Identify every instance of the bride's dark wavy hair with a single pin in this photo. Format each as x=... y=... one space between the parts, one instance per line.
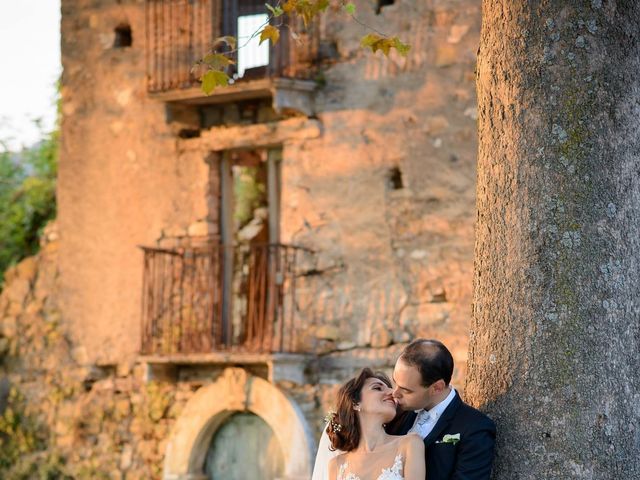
x=343 y=426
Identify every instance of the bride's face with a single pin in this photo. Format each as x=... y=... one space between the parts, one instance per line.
x=377 y=398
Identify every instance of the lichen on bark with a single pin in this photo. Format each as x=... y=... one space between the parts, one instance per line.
x=555 y=325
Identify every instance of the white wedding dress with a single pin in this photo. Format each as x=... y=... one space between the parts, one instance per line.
x=394 y=472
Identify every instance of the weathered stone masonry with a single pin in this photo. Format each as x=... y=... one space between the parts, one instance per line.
x=379 y=182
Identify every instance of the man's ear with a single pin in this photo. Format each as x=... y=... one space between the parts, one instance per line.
x=439 y=386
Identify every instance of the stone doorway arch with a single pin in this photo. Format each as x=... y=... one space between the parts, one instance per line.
x=237 y=391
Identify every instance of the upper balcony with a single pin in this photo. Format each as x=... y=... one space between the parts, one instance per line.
x=180 y=32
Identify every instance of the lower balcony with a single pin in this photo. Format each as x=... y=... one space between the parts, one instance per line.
x=218 y=299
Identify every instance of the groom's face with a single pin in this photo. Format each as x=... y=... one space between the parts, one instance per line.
x=408 y=389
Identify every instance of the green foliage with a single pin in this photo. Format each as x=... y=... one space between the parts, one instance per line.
x=18 y=433
x=306 y=9
x=217 y=61
x=275 y=11
x=249 y=194
x=158 y=401
x=27 y=199
x=40 y=466
x=212 y=79
x=376 y=42
x=23 y=454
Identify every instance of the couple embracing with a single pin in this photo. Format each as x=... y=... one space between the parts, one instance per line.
x=414 y=428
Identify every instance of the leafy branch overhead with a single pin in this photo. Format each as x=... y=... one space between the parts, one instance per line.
x=213 y=67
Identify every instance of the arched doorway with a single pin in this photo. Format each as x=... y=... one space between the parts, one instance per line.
x=244 y=447
x=214 y=410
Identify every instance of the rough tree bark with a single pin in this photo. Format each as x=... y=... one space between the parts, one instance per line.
x=554 y=348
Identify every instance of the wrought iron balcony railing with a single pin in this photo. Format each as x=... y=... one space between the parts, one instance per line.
x=219 y=298
x=179 y=32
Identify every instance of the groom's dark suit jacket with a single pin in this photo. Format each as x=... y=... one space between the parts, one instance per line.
x=470 y=458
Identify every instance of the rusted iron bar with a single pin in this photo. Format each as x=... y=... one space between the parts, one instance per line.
x=179 y=32
x=183 y=292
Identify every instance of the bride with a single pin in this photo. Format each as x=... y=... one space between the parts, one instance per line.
x=365 y=403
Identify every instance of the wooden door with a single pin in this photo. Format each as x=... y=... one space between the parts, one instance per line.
x=244 y=447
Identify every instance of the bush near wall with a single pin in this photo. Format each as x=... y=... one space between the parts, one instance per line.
x=27 y=199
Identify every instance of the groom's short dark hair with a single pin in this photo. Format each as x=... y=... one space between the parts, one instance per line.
x=431 y=358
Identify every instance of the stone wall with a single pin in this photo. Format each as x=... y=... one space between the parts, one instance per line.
x=380 y=183
x=80 y=419
x=384 y=192
x=121 y=182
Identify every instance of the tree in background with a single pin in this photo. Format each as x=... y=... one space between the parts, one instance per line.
x=27 y=198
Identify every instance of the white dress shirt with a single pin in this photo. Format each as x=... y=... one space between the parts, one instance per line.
x=427 y=419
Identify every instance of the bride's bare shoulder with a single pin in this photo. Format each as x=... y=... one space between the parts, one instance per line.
x=338 y=459
x=413 y=441
x=334 y=465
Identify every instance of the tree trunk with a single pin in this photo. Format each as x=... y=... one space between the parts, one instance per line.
x=554 y=348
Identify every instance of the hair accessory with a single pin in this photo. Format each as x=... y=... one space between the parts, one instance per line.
x=331 y=419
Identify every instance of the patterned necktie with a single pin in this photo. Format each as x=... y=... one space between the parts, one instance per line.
x=420 y=423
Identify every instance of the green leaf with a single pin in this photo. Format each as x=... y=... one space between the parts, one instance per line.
x=212 y=79
x=384 y=45
x=217 y=61
x=321 y=5
x=370 y=40
x=350 y=8
x=401 y=48
x=270 y=33
x=376 y=42
x=275 y=11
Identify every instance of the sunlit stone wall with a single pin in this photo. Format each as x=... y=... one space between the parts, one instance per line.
x=385 y=194
x=380 y=183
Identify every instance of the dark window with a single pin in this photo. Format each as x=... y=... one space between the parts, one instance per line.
x=394 y=179
x=123 y=37
x=383 y=3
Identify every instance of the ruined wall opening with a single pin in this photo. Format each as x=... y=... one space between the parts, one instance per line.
x=383 y=3
x=249 y=220
x=189 y=133
x=123 y=37
x=245 y=112
x=394 y=179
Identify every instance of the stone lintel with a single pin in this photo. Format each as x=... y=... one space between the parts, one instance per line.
x=281 y=366
x=379 y=358
x=252 y=136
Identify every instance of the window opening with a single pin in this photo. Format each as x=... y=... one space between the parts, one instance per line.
x=250 y=204
x=123 y=37
x=252 y=55
x=383 y=3
x=394 y=179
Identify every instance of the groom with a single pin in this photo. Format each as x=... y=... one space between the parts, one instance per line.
x=458 y=439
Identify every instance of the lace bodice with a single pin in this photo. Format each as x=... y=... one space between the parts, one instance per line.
x=394 y=472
